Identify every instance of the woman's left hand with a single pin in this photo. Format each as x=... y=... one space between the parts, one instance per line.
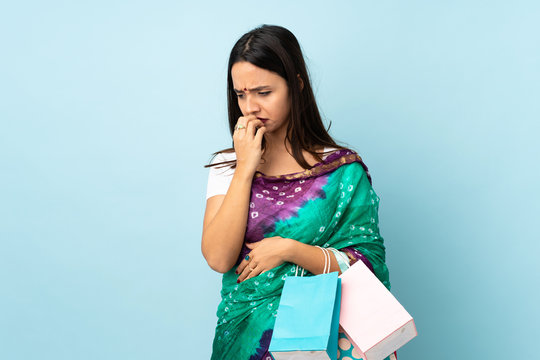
x=264 y=255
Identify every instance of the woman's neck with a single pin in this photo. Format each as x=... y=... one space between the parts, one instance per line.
x=276 y=143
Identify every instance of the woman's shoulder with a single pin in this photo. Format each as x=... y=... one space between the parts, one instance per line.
x=338 y=152
x=224 y=156
x=222 y=164
x=356 y=165
x=330 y=151
x=348 y=160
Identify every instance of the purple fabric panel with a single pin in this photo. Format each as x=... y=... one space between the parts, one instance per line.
x=355 y=255
x=264 y=342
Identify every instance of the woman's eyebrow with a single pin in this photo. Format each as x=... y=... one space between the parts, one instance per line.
x=255 y=89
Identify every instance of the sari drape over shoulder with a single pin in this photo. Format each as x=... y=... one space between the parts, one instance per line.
x=332 y=204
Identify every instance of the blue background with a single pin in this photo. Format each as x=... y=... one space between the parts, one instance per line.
x=110 y=109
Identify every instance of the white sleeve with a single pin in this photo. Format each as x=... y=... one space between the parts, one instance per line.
x=219 y=178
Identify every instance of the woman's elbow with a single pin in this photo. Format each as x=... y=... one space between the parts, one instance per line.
x=216 y=259
x=217 y=263
x=218 y=267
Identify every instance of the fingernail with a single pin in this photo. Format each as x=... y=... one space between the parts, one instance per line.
x=237 y=281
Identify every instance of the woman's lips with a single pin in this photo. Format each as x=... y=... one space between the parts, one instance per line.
x=262 y=119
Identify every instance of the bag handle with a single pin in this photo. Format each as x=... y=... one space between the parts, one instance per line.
x=327 y=263
x=341 y=258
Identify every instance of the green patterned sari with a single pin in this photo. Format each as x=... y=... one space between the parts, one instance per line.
x=331 y=205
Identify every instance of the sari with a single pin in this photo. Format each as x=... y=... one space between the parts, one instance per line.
x=331 y=204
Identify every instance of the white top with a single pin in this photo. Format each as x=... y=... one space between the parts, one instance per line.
x=219 y=178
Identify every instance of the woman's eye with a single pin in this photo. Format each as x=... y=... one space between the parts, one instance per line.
x=240 y=96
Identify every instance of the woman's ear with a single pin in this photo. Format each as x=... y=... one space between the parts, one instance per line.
x=301 y=82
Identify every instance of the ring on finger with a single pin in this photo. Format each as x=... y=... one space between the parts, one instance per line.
x=239 y=127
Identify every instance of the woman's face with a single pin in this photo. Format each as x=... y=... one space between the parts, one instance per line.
x=262 y=93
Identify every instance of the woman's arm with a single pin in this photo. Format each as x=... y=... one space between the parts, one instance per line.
x=225 y=217
x=306 y=256
x=225 y=222
x=274 y=251
x=311 y=258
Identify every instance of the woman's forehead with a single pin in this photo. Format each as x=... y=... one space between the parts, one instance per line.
x=247 y=76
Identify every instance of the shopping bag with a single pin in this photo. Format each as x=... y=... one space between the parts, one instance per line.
x=346 y=351
x=371 y=317
x=307 y=321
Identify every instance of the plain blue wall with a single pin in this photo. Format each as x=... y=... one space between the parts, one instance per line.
x=110 y=109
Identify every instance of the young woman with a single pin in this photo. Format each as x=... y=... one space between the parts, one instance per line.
x=281 y=194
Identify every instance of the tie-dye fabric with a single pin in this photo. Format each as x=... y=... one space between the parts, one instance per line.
x=331 y=205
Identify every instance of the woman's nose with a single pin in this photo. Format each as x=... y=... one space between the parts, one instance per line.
x=251 y=104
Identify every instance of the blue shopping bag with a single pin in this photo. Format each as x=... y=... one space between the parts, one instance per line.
x=307 y=322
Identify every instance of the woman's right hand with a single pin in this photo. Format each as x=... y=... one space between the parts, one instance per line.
x=247 y=143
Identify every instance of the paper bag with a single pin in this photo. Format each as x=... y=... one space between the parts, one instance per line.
x=307 y=321
x=371 y=317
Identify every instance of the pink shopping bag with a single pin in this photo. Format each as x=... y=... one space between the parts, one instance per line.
x=371 y=317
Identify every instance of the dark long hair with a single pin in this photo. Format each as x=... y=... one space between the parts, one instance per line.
x=276 y=49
